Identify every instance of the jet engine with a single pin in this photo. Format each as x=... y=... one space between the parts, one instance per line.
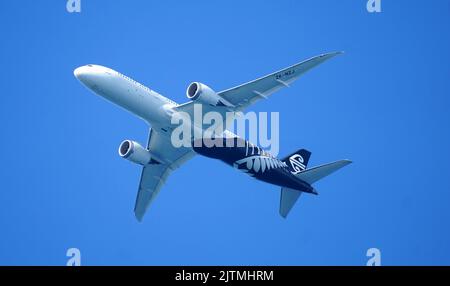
x=134 y=152
x=204 y=94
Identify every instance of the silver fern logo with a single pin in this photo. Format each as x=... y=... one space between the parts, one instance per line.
x=258 y=163
x=257 y=160
x=297 y=163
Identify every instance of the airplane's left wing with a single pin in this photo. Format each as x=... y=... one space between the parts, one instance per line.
x=154 y=175
x=246 y=94
x=242 y=96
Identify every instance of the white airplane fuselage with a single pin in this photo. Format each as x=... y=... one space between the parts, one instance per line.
x=138 y=99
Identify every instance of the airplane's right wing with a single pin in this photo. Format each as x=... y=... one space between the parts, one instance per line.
x=154 y=175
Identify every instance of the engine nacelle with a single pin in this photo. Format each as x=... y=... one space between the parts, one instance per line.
x=134 y=152
x=203 y=93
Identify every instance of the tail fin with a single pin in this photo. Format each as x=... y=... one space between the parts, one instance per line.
x=297 y=161
x=287 y=200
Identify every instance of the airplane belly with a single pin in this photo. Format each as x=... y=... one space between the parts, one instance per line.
x=126 y=92
x=136 y=100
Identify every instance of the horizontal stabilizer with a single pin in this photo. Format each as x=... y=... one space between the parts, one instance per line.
x=316 y=173
x=288 y=199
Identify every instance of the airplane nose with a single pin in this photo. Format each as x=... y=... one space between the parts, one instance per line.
x=91 y=76
x=79 y=72
x=76 y=72
x=88 y=75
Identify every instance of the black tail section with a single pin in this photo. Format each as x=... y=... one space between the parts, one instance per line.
x=297 y=161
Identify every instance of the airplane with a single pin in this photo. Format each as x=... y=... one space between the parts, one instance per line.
x=159 y=158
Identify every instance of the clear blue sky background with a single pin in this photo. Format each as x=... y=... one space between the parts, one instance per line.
x=384 y=104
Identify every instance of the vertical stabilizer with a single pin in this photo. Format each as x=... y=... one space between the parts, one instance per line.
x=297 y=161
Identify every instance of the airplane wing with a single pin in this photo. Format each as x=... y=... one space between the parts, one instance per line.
x=246 y=94
x=153 y=177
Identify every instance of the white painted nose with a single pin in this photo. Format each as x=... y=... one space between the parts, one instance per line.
x=90 y=75
x=83 y=73
x=78 y=72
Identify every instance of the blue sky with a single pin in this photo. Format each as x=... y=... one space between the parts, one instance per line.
x=384 y=104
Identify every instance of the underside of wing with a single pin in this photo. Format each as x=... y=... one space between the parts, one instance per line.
x=246 y=94
x=240 y=97
x=155 y=174
x=152 y=179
